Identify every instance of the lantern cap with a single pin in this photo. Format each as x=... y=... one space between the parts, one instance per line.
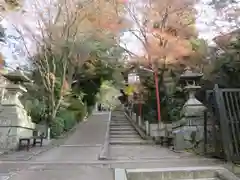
x=188 y=74
x=16 y=76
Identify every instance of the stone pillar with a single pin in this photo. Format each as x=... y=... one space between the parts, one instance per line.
x=139 y=121
x=14 y=120
x=147 y=127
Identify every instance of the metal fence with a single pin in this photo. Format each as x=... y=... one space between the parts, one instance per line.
x=222 y=124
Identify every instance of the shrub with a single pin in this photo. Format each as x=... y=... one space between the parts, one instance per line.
x=79 y=109
x=36 y=109
x=57 y=127
x=69 y=119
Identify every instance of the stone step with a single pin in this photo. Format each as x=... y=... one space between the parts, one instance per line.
x=118 y=117
x=122 y=128
x=122 y=131
x=120 y=120
x=130 y=141
x=125 y=133
x=112 y=129
x=123 y=122
x=124 y=136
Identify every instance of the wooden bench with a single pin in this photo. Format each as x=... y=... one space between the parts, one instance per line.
x=27 y=141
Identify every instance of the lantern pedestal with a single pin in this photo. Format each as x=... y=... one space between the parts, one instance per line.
x=188 y=133
x=14 y=120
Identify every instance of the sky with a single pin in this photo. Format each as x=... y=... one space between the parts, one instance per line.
x=13 y=50
x=15 y=56
x=205 y=24
x=208 y=16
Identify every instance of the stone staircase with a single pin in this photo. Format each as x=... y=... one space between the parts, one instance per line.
x=122 y=131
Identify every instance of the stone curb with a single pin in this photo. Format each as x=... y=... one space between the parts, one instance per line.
x=226 y=175
x=234 y=168
x=104 y=153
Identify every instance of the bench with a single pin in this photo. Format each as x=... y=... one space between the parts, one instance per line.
x=26 y=141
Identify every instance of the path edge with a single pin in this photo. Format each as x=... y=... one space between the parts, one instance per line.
x=105 y=147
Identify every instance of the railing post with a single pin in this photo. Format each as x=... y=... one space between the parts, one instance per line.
x=205 y=132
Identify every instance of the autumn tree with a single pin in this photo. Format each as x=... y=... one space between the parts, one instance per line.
x=67 y=40
x=164 y=29
x=167 y=38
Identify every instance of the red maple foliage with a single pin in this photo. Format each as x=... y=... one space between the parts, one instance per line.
x=164 y=28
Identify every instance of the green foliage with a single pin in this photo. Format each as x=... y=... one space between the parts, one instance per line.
x=107 y=93
x=197 y=44
x=170 y=104
x=173 y=104
x=100 y=64
x=226 y=70
x=36 y=109
x=68 y=117
x=78 y=107
x=150 y=107
x=94 y=73
x=57 y=127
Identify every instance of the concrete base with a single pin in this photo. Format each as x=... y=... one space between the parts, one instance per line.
x=191 y=173
x=183 y=138
x=14 y=123
x=157 y=130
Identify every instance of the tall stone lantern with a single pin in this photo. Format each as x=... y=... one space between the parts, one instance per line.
x=189 y=131
x=15 y=88
x=190 y=81
x=14 y=120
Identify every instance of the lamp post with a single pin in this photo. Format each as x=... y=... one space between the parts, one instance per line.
x=157 y=96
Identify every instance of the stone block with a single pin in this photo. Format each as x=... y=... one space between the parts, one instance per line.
x=14 y=123
x=189 y=137
x=157 y=130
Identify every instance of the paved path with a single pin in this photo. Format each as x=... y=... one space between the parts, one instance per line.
x=77 y=158
x=83 y=146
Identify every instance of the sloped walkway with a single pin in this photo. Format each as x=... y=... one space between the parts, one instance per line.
x=85 y=144
x=77 y=158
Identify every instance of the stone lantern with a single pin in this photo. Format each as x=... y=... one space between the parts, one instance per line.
x=14 y=120
x=190 y=81
x=15 y=88
x=189 y=130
